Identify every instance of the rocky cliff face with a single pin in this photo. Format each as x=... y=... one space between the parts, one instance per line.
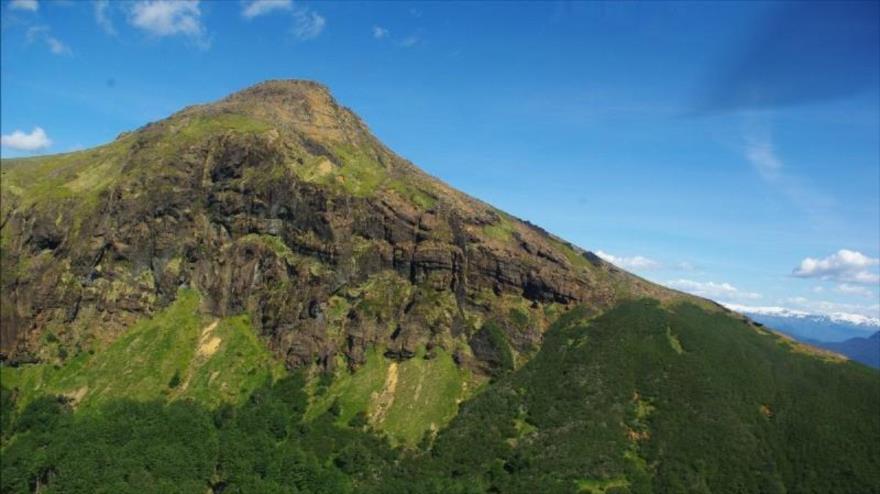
x=278 y=202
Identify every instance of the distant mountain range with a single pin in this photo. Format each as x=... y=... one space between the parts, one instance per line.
x=853 y=335
x=864 y=350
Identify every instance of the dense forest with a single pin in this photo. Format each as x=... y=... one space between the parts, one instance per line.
x=639 y=399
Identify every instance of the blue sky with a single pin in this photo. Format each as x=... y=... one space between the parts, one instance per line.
x=727 y=149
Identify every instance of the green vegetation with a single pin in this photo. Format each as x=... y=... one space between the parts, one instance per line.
x=413 y=193
x=348 y=170
x=212 y=361
x=625 y=412
x=65 y=187
x=169 y=138
x=425 y=397
x=602 y=486
x=404 y=400
x=498 y=341
x=125 y=446
x=352 y=392
x=674 y=341
x=502 y=230
x=199 y=127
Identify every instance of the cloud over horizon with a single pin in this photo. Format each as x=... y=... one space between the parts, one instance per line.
x=711 y=289
x=21 y=141
x=844 y=266
x=634 y=262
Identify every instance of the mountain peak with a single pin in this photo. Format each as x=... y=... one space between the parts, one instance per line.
x=284 y=91
x=291 y=106
x=280 y=180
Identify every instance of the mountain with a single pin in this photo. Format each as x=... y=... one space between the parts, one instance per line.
x=804 y=326
x=256 y=295
x=864 y=350
x=846 y=334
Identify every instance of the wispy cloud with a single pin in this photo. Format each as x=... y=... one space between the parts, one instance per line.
x=634 y=262
x=30 y=5
x=22 y=141
x=761 y=153
x=102 y=16
x=43 y=34
x=860 y=290
x=380 y=32
x=642 y=263
x=844 y=266
x=308 y=24
x=163 y=18
x=257 y=8
x=711 y=289
x=410 y=41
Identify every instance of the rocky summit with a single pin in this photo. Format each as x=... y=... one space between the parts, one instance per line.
x=256 y=296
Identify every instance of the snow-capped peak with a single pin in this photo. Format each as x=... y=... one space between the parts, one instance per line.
x=838 y=317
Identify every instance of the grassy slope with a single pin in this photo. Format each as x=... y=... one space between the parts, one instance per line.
x=181 y=354
x=403 y=400
x=160 y=358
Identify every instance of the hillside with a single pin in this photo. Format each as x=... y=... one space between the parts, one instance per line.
x=256 y=295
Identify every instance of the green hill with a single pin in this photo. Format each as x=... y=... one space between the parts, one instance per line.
x=255 y=295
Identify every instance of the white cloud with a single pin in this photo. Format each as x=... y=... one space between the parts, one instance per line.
x=380 y=32
x=710 y=289
x=308 y=25
x=31 y=5
x=170 y=18
x=21 y=141
x=256 y=8
x=102 y=16
x=42 y=33
x=844 y=266
x=635 y=262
